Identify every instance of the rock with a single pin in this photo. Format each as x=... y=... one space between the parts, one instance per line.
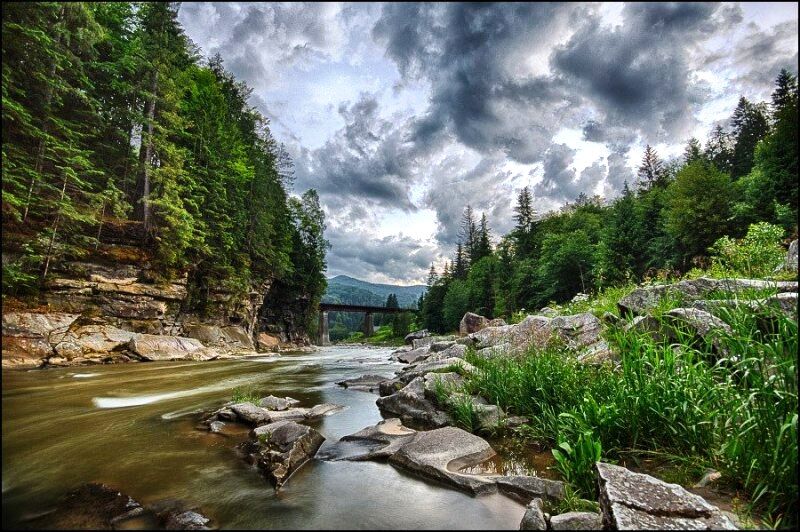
x=321 y=410
x=412 y=372
x=499 y=350
x=267 y=342
x=703 y=326
x=709 y=478
x=635 y=501
x=421 y=342
x=276 y=403
x=791 y=257
x=50 y=327
x=91 y=338
x=283 y=448
x=389 y=386
x=91 y=506
x=580 y=297
x=577 y=521
x=786 y=302
x=451 y=380
x=216 y=427
x=233 y=338
x=496 y=322
x=416 y=335
x=441 y=346
x=251 y=414
x=365 y=382
x=379 y=441
x=534 y=517
x=524 y=488
x=489 y=416
x=645 y=298
x=187 y=520
x=471 y=323
x=598 y=353
x=647 y=324
x=160 y=347
x=415 y=355
x=413 y=407
x=578 y=330
x=512 y=422
x=292 y=414
x=548 y=312
x=437 y=454
x=454 y=351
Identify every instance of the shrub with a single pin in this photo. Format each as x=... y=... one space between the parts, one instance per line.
x=576 y=462
x=245 y=395
x=758 y=254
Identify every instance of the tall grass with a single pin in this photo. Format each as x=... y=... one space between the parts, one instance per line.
x=736 y=412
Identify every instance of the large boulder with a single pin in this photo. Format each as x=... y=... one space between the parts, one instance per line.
x=267 y=342
x=410 y=373
x=454 y=351
x=271 y=402
x=413 y=407
x=523 y=488
x=439 y=454
x=471 y=323
x=155 y=347
x=28 y=337
x=635 y=501
x=251 y=414
x=282 y=448
x=576 y=331
x=701 y=325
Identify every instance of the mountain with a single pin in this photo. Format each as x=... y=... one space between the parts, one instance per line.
x=344 y=289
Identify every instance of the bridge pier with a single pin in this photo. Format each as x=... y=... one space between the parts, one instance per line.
x=368 y=327
x=324 y=338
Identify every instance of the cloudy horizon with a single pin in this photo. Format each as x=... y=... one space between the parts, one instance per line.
x=400 y=115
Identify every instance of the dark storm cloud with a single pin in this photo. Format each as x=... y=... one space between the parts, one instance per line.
x=360 y=254
x=366 y=161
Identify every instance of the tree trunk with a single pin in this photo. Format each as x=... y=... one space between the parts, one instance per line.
x=142 y=211
x=55 y=228
x=48 y=98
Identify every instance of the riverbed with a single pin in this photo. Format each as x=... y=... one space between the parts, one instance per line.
x=132 y=426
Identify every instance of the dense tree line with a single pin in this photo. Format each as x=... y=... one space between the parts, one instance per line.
x=662 y=225
x=111 y=119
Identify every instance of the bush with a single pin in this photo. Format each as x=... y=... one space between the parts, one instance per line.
x=576 y=462
x=758 y=254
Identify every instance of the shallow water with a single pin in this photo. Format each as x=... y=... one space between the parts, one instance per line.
x=132 y=427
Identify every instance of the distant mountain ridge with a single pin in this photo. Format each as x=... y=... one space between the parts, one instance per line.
x=345 y=289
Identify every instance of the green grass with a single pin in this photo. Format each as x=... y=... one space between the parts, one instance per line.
x=245 y=395
x=736 y=413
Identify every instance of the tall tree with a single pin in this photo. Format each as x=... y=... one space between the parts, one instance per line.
x=750 y=125
x=651 y=171
x=525 y=223
x=719 y=149
x=693 y=151
x=468 y=234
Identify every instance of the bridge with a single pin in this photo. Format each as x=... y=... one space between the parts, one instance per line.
x=324 y=308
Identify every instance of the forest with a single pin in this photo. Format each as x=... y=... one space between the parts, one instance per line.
x=739 y=189
x=114 y=125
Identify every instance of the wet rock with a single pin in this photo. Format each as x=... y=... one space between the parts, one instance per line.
x=376 y=442
x=524 y=488
x=488 y=416
x=284 y=447
x=416 y=335
x=365 y=383
x=534 y=517
x=439 y=454
x=321 y=410
x=512 y=422
x=471 y=323
x=635 y=501
x=186 y=520
x=577 y=521
x=216 y=427
x=277 y=403
x=159 y=347
x=91 y=506
x=413 y=407
x=251 y=414
x=422 y=342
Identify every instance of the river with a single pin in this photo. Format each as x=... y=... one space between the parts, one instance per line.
x=132 y=426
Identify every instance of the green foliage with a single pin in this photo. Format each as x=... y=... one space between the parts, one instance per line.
x=755 y=255
x=455 y=304
x=245 y=395
x=576 y=462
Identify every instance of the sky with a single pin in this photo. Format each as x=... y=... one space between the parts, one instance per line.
x=400 y=115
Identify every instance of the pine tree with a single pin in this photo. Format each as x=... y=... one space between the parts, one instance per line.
x=651 y=171
x=525 y=224
x=750 y=125
x=719 y=149
x=483 y=247
x=469 y=236
x=460 y=267
x=693 y=151
x=785 y=92
x=433 y=277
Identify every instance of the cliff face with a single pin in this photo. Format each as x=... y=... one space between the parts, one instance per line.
x=109 y=309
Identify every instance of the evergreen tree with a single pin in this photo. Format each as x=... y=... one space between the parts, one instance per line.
x=460 y=265
x=525 y=223
x=750 y=125
x=719 y=149
x=483 y=246
x=651 y=171
x=693 y=151
x=468 y=234
x=433 y=277
x=785 y=93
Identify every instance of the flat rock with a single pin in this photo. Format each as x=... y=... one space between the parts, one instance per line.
x=365 y=383
x=533 y=519
x=576 y=521
x=524 y=488
x=290 y=414
x=439 y=454
x=635 y=501
x=371 y=443
x=321 y=410
x=284 y=447
x=453 y=351
x=442 y=345
x=90 y=506
x=415 y=355
x=251 y=414
x=160 y=347
x=271 y=402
